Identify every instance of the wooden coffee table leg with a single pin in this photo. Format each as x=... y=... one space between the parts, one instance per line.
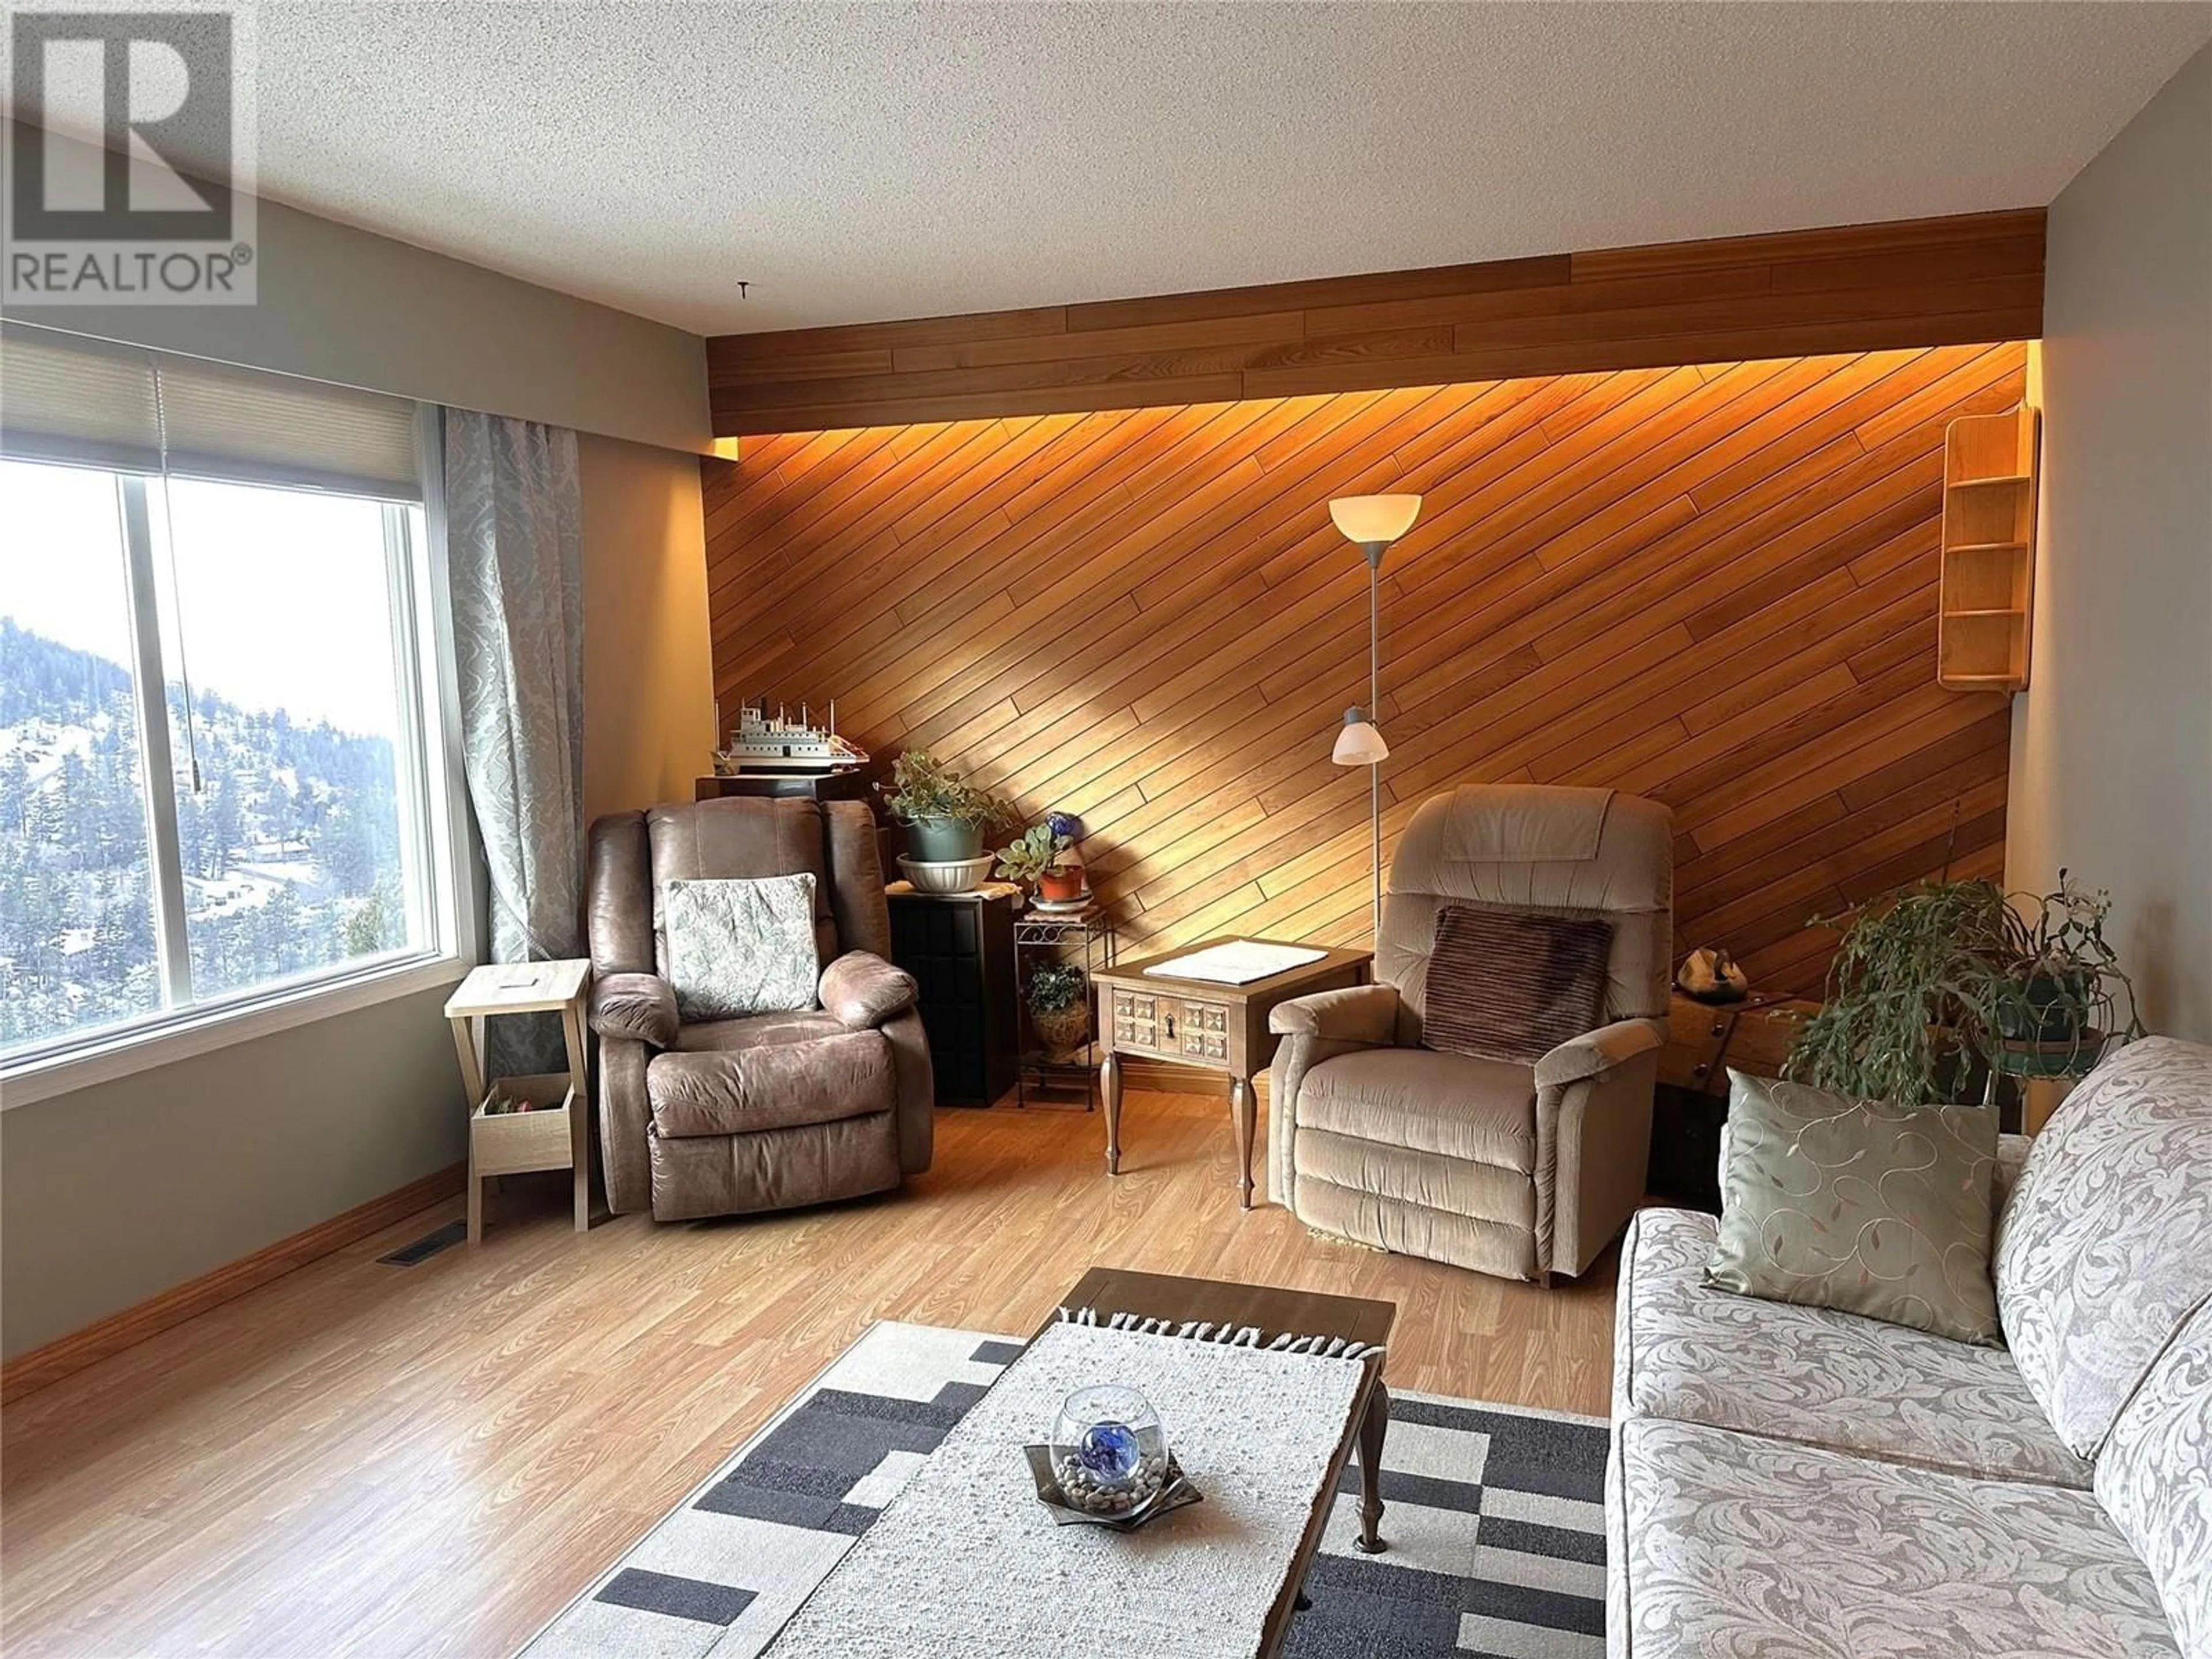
x=1377 y=1424
x=1109 y=1090
x=1243 y=1106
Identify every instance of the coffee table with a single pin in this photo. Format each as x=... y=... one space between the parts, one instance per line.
x=1171 y=1296
x=964 y=1561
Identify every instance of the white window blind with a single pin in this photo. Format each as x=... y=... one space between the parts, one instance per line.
x=88 y=403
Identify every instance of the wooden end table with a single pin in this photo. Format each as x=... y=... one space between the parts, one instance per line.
x=1202 y=1022
x=559 y=1138
x=1705 y=1043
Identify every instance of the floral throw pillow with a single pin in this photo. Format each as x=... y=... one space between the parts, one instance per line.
x=739 y=947
x=1861 y=1206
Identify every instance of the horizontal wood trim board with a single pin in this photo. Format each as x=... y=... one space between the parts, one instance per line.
x=1714 y=585
x=65 y=1356
x=1970 y=279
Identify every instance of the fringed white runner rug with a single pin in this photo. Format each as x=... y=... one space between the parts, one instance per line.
x=1495 y=1522
x=960 y=1568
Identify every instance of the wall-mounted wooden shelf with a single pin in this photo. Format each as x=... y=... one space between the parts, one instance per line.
x=1988 y=585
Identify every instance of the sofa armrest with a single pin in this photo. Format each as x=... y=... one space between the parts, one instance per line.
x=2011 y=1163
x=1353 y=1014
x=863 y=990
x=625 y=1123
x=641 y=1006
x=1600 y=1051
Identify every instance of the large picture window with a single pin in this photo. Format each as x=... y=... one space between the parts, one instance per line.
x=218 y=712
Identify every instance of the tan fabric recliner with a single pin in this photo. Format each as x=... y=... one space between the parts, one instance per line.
x=775 y=1110
x=1519 y=1170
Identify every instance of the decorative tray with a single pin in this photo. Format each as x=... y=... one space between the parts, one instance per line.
x=1176 y=1493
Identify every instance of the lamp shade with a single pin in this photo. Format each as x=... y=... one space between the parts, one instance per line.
x=1370 y=519
x=1358 y=744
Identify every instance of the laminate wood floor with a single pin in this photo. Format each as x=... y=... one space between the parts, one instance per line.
x=369 y=1460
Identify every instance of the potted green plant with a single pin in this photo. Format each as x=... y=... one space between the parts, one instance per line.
x=944 y=814
x=1907 y=991
x=1059 y=998
x=2054 y=995
x=1066 y=879
x=1936 y=982
x=1061 y=882
x=1032 y=855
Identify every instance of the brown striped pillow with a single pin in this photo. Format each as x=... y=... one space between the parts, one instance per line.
x=1508 y=985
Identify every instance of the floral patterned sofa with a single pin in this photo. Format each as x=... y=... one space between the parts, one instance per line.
x=1788 y=1483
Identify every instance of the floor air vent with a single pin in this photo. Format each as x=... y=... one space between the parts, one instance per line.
x=429 y=1245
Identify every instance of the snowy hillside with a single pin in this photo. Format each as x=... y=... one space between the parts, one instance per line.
x=290 y=844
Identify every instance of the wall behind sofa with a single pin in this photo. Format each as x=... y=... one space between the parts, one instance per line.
x=1714 y=585
x=2113 y=737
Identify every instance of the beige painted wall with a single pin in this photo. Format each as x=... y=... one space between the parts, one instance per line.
x=355 y=308
x=649 y=684
x=2112 y=740
x=114 y=1192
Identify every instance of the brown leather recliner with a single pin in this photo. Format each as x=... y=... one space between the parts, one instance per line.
x=1515 y=1170
x=774 y=1111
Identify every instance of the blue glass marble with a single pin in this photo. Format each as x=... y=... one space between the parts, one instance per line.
x=1110 y=1450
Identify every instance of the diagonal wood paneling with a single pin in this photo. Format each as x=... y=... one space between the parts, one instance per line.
x=1975 y=276
x=1712 y=585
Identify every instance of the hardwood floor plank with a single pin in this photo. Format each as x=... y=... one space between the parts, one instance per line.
x=446 y=1452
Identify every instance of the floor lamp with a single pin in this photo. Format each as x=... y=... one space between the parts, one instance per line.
x=1373 y=522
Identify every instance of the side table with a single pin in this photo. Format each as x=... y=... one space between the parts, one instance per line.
x=1043 y=936
x=1705 y=1042
x=1206 y=1024
x=509 y=1143
x=960 y=949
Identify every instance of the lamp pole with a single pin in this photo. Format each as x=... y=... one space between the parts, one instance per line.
x=1374 y=551
x=1372 y=523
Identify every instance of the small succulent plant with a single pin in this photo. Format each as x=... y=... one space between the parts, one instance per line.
x=1035 y=851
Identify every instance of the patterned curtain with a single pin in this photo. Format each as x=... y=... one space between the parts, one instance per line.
x=515 y=555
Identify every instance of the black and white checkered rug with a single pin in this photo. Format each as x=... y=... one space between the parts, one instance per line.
x=1495 y=1520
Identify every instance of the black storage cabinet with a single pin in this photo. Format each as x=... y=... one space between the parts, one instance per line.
x=961 y=952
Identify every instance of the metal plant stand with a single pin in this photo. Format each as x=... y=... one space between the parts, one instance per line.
x=1086 y=938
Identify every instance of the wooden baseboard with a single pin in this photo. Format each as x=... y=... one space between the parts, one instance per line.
x=29 y=1372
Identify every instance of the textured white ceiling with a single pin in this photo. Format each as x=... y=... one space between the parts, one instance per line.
x=858 y=162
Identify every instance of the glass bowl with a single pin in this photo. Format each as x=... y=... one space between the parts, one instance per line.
x=1109 y=1452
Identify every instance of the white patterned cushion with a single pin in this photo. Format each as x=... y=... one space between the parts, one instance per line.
x=739 y=947
x=1730 y=1545
x=1691 y=1351
x=2106 y=1244
x=2154 y=1477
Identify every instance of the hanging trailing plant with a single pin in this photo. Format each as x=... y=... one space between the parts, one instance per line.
x=1934 y=980
x=1903 y=993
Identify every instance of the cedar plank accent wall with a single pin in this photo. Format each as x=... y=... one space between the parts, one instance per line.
x=1970 y=278
x=1715 y=585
